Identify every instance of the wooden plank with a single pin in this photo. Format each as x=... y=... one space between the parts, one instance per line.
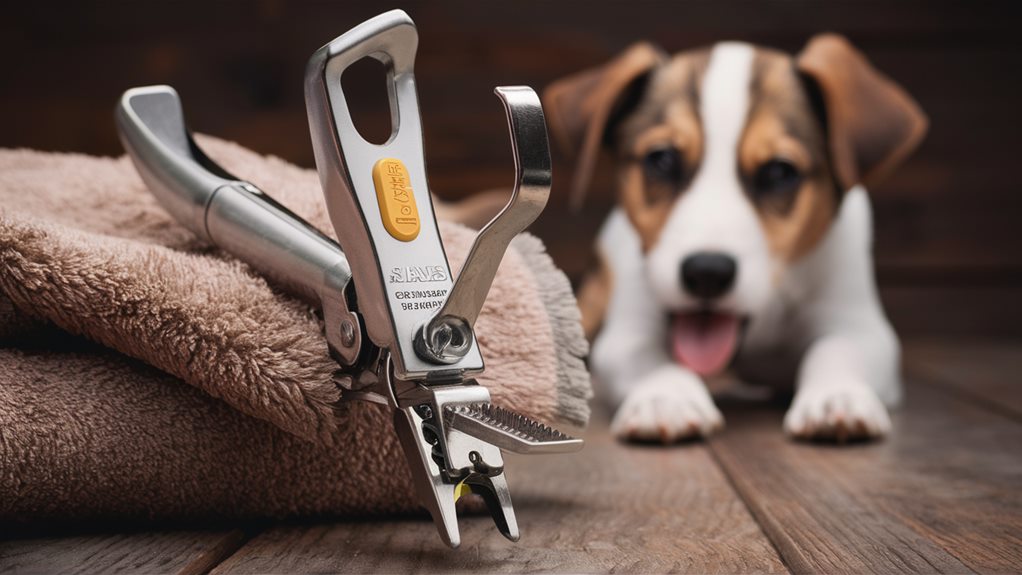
x=608 y=508
x=941 y=495
x=183 y=552
x=986 y=371
x=920 y=310
x=246 y=89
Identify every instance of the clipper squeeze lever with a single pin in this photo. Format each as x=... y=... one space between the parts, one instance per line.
x=399 y=327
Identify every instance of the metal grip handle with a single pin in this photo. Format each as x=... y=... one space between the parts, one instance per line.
x=445 y=338
x=378 y=197
x=234 y=214
x=531 y=152
x=152 y=128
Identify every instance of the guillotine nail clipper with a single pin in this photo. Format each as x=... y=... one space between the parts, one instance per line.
x=400 y=329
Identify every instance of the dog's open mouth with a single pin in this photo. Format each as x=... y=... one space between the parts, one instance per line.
x=705 y=341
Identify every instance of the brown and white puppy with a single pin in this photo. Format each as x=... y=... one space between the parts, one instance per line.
x=743 y=232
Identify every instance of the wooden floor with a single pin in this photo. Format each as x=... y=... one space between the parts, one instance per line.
x=943 y=495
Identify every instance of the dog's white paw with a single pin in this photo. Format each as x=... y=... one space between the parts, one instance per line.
x=668 y=405
x=837 y=411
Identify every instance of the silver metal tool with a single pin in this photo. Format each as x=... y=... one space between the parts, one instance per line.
x=399 y=327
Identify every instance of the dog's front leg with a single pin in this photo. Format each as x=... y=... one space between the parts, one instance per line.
x=669 y=404
x=845 y=384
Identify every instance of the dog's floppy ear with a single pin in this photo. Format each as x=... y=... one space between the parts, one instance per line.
x=581 y=108
x=872 y=123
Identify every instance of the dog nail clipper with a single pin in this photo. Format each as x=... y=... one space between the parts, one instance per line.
x=400 y=329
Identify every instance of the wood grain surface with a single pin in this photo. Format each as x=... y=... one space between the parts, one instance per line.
x=609 y=508
x=941 y=495
x=183 y=552
x=987 y=372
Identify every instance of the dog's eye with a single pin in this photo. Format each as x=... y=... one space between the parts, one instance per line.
x=663 y=164
x=777 y=177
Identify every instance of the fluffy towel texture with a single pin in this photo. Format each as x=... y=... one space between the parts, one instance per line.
x=84 y=432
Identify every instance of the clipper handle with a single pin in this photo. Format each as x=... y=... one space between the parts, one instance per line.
x=233 y=214
x=380 y=205
x=442 y=339
x=152 y=128
x=378 y=197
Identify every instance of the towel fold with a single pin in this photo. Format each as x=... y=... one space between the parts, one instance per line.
x=88 y=257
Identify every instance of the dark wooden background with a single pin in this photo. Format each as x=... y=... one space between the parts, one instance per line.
x=948 y=245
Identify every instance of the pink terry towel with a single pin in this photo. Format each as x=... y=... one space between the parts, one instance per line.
x=145 y=374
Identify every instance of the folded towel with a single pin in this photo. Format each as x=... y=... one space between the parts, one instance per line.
x=88 y=257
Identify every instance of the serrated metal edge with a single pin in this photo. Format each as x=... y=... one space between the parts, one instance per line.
x=509 y=421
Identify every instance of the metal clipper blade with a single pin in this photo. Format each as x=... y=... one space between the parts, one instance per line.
x=507 y=429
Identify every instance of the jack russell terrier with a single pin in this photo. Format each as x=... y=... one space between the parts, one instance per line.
x=743 y=233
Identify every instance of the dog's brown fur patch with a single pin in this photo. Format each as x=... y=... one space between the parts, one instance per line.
x=594 y=296
x=872 y=123
x=781 y=125
x=668 y=116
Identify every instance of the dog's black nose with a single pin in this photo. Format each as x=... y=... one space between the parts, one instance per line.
x=708 y=274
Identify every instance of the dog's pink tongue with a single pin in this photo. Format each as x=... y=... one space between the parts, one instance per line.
x=704 y=341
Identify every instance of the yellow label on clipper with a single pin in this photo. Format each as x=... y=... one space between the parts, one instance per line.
x=461 y=489
x=397 y=202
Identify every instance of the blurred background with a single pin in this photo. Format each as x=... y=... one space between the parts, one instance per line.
x=948 y=242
